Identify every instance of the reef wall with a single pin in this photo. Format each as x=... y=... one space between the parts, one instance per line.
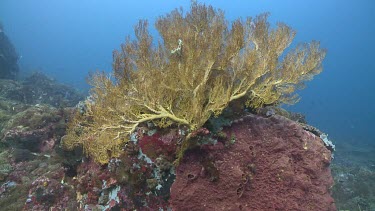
x=8 y=57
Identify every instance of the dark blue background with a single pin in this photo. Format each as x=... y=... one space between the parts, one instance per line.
x=67 y=39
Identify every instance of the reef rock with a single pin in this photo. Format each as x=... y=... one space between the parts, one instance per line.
x=40 y=89
x=37 y=128
x=8 y=57
x=272 y=164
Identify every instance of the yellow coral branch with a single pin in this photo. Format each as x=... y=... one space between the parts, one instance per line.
x=216 y=64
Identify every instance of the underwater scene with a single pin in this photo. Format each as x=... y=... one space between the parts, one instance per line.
x=168 y=105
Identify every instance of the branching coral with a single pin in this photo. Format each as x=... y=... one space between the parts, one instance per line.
x=199 y=66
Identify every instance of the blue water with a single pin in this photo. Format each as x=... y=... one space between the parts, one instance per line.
x=67 y=39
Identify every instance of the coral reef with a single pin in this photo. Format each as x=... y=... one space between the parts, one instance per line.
x=189 y=124
x=37 y=128
x=353 y=170
x=274 y=164
x=39 y=89
x=8 y=57
x=354 y=187
x=32 y=163
x=36 y=184
x=129 y=182
x=201 y=64
x=144 y=178
x=29 y=119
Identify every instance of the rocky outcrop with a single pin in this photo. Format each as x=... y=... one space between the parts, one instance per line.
x=36 y=129
x=255 y=162
x=273 y=164
x=32 y=163
x=8 y=57
x=40 y=89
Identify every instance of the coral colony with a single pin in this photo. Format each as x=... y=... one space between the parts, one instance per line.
x=201 y=67
x=188 y=122
x=161 y=120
